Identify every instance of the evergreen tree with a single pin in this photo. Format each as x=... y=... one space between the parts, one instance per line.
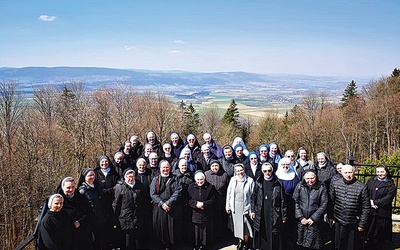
x=396 y=72
x=191 y=120
x=232 y=115
x=349 y=93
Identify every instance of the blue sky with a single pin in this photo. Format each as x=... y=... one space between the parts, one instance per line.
x=335 y=38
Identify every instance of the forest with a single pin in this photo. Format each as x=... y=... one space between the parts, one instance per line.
x=57 y=132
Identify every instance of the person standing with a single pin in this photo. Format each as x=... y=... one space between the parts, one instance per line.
x=127 y=207
x=220 y=180
x=268 y=210
x=311 y=199
x=238 y=199
x=289 y=180
x=101 y=210
x=164 y=192
x=351 y=206
x=201 y=200
x=78 y=210
x=54 y=229
x=381 y=191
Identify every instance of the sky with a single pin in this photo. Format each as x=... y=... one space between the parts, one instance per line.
x=351 y=38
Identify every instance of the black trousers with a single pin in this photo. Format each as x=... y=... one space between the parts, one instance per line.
x=348 y=237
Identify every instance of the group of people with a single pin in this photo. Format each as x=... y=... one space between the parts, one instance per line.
x=183 y=193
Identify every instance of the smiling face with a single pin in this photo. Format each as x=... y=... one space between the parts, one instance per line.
x=103 y=163
x=199 y=178
x=290 y=155
x=239 y=172
x=129 y=178
x=56 y=204
x=310 y=178
x=273 y=149
x=267 y=171
x=182 y=166
x=118 y=158
x=127 y=148
x=191 y=140
x=263 y=152
x=285 y=166
x=165 y=168
x=303 y=154
x=134 y=140
x=141 y=165
x=214 y=167
x=321 y=159
x=148 y=149
x=381 y=172
x=153 y=159
x=186 y=155
x=90 y=177
x=228 y=152
x=205 y=150
x=167 y=149
x=253 y=159
x=207 y=138
x=174 y=139
x=239 y=151
x=69 y=188
x=151 y=137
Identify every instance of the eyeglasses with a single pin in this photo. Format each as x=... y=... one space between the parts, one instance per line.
x=167 y=148
x=288 y=156
x=267 y=171
x=253 y=158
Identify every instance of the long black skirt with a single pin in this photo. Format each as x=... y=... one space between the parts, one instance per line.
x=163 y=226
x=202 y=234
x=380 y=229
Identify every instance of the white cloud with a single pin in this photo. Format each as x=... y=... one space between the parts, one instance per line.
x=129 y=47
x=175 y=52
x=179 y=42
x=47 y=18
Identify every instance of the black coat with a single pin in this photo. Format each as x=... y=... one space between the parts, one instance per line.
x=128 y=205
x=220 y=181
x=164 y=190
x=250 y=173
x=108 y=182
x=301 y=169
x=228 y=165
x=325 y=173
x=310 y=202
x=382 y=193
x=351 y=204
x=136 y=150
x=145 y=178
x=78 y=209
x=205 y=194
x=169 y=194
x=278 y=203
x=129 y=159
x=54 y=232
x=202 y=163
x=184 y=180
x=100 y=208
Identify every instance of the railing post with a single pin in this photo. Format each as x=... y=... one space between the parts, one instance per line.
x=351 y=159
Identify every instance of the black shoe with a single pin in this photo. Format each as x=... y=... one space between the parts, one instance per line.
x=240 y=246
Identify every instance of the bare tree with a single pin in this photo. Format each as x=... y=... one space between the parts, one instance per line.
x=211 y=118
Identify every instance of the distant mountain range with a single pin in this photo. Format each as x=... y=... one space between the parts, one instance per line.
x=250 y=88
